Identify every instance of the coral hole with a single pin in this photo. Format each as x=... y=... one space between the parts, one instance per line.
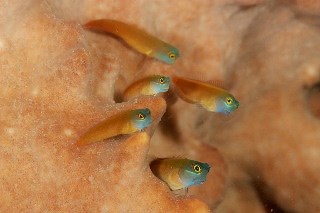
x=313 y=99
x=154 y=166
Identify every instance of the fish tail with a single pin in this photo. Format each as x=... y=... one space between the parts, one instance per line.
x=94 y=135
x=105 y=129
x=109 y=26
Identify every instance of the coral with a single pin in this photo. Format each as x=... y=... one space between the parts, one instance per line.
x=57 y=83
x=272 y=145
x=58 y=80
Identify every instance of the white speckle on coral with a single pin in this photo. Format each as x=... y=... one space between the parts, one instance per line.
x=35 y=91
x=311 y=73
x=10 y=131
x=105 y=209
x=314 y=153
x=68 y=132
x=91 y=178
x=309 y=44
x=192 y=152
x=4 y=45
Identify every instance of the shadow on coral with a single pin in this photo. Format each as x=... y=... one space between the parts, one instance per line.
x=266 y=200
x=313 y=99
x=168 y=125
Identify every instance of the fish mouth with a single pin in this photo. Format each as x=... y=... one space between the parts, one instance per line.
x=229 y=111
x=147 y=123
x=198 y=182
x=226 y=112
x=165 y=89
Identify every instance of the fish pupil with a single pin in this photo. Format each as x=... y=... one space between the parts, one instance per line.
x=172 y=56
x=161 y=80
x=197 y=168
x=141 y=116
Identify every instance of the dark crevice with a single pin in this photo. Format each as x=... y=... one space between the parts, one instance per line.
x=313 y=100
x=168 y=125
x=266 y=198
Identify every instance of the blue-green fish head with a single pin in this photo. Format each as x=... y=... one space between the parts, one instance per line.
x=226 y=103
x=141 y=118
x=160 y=84
x=169 y=55
x=193 y=173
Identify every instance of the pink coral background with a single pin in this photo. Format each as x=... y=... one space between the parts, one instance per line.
x=58 y=80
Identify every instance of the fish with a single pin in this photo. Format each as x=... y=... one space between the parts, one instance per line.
x=180 y=173
x=207 y=95
x=137 y=39
x=126 y=122
x=150 y=85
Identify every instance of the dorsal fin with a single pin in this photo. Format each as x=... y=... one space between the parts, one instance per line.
x=218 y=83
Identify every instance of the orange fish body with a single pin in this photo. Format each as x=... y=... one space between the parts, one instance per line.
x=126 y=122
x=210 y=97
x=168 y=173
x=179 y=173
x=137 y=39
x=150 y=85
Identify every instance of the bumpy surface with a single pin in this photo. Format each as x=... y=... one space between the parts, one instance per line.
x=58 y=80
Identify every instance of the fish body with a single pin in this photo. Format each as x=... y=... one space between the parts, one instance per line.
x=212 y=98
x=137 y=39
x=126 y=122
x=150 y=85
x=180 y=173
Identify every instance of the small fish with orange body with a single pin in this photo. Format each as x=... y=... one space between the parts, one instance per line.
x=180 y=173
x=125 y=122
x=150 y=85
x=209 y=96
x=137 y=39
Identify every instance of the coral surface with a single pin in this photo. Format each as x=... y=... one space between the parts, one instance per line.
x=58 y=80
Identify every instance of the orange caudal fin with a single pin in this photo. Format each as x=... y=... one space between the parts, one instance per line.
x=97 y=133
x=105 y=25
x=95 y=24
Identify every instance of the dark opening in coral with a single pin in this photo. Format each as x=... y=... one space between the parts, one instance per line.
x=313 y=100
x=268 y=203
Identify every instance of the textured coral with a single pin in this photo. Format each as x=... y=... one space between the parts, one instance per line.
x=58 y=80
x=57 y=83
x=273 y=142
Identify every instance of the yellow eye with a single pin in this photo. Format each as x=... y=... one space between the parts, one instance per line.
x=197 y=168
x=141 y=116
x=162 y=80
x=172 y=56
x=229 y=101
